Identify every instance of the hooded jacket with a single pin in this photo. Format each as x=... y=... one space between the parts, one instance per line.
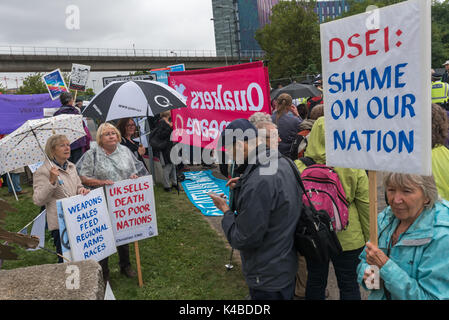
x=356 y=185
x=418 y=265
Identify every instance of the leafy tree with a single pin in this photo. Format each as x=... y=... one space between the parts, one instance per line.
x=33 y=84
x=440 y=25
x=440 y=33
x=292 y=39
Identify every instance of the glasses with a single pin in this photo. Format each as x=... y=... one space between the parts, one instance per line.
x=130 y=125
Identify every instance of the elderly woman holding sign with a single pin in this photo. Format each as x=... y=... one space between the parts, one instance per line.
x=105 y=164
x=56 y=179
x=410 y=262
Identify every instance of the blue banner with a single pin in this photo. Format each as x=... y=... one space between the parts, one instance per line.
x=197 y=184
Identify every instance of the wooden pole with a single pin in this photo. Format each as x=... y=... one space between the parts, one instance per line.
x=139 y=270
x=372 y=206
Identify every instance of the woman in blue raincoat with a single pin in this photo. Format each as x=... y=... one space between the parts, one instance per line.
x=411 y=256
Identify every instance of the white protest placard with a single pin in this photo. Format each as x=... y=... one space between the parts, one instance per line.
x=132 y=210
x=33 y=167
x=376 y=75
x=79 y=77
x=88 y=226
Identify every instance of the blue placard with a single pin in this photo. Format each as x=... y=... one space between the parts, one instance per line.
x=197 y=184
x=177 y=67
x=161 y=75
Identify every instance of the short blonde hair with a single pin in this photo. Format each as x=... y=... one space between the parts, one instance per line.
x=51 y=143
x=105 y=126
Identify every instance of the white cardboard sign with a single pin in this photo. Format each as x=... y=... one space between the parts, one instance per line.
x=132 y=210
x=88 y=226
x=376 y=76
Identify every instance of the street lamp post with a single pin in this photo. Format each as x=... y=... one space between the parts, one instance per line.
x=176 y=56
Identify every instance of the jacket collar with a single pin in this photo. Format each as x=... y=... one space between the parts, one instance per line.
x=421 y=229
x=67 y=165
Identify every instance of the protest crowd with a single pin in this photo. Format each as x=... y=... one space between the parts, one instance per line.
x=288 y=212
x=266 y=205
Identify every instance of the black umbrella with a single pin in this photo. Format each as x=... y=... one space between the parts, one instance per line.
x=138 y=98
x=299 y=90
x=274 y=93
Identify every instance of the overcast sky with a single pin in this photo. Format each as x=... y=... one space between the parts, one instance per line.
x=147 y=24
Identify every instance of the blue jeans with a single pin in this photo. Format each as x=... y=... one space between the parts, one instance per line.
x=15 y=177
x=345 y=265
x=286 y=293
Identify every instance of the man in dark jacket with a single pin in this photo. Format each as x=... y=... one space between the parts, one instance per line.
x=267 y=204
x=81 y=145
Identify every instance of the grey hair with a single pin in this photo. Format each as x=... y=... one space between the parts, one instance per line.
x=259 y=117
x=263 y=124
x=65 y=98
x=426 y=183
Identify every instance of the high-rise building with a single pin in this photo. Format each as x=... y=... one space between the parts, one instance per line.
x=236 y=22
x=330 y=9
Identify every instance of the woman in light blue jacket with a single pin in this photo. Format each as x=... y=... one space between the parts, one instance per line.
x=411 y=259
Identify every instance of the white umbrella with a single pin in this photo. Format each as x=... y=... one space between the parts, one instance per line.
x=25 y=145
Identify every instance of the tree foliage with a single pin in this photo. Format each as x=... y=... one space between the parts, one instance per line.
x=292 y=39
x=33 y=84
x=440 y=25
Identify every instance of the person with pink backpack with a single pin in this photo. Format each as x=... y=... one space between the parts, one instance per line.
x=346 y=193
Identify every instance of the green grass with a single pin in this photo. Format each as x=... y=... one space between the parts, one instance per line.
x=185 y=261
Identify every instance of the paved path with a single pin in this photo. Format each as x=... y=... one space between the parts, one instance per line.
x=215 y=223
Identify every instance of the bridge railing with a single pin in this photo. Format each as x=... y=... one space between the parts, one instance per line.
x=111 y=52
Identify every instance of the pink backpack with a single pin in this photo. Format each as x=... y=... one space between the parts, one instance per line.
x=326 y=193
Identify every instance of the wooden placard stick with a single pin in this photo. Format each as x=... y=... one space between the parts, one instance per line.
x=372 y=206
x=139 y=270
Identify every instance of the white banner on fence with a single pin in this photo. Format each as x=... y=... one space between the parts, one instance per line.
x=88 y=226
x=376 y=75
x=132 y=210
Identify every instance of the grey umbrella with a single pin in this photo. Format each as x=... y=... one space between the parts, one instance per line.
x=298 y=90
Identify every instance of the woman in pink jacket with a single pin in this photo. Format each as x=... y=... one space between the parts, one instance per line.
x=57 y=178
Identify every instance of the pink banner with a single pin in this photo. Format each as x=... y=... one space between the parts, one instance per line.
x=215 y=97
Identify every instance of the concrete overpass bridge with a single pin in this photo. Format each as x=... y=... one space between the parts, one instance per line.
x=44 y=59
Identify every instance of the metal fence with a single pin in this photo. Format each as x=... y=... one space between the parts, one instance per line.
x=110 y=52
